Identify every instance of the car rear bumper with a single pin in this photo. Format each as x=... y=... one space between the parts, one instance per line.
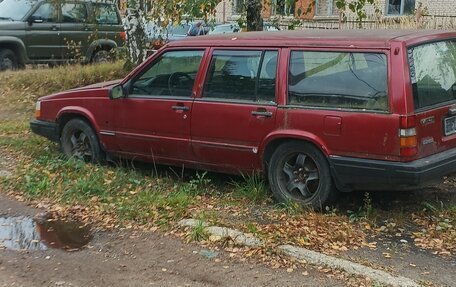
x=49 y=130
x=364 y=174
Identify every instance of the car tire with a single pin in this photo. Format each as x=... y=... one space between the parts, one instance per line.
x=8 y=60
x=102 y=56
x=298 y=172
x=79 y=141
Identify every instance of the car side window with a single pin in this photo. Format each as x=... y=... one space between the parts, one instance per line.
x=338 y=80
x=242 y=75
x=74 y=13
x=46 y=12
x=172 y=75
x=105 y=14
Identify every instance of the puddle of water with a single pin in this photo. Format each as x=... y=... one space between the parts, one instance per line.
x=26 y=233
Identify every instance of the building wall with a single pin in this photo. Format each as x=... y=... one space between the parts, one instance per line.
x=223 y=11
x=433 y=7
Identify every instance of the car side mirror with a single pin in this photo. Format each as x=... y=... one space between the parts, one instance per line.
x=117 y=92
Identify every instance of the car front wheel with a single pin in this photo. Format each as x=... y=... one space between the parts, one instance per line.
x=299 y=172
x=79 y=141
x=8 y=60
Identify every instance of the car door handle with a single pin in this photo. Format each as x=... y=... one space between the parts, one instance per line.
x=265 y=114
x=180 y=108
x=54 y=28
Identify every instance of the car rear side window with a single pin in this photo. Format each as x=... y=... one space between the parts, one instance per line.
x=74 y=13
x=338 y=80
x=433 y=73
x=105 y=14
x=242 y=75
x=172 y=75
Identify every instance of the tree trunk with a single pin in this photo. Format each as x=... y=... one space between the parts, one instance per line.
x=135 y=27
x=254 y=19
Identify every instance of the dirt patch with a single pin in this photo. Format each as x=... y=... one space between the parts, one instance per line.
x=140 y=259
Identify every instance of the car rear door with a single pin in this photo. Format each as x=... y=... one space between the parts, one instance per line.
x=236 y=108
x=153 y=121
x=433 y=84
x=75 y=30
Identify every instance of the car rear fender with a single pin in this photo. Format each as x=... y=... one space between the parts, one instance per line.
x=16 y=45
x=100 y=44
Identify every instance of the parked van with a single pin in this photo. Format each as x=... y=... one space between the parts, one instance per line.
x=316 y=111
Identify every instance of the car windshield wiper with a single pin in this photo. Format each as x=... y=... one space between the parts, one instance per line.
x=6 y=18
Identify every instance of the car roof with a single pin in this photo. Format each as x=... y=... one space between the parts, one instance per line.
x=331 y=38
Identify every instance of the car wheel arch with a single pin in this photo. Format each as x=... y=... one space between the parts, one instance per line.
x=273 y=141
x=15 y=45
x=97 y=45
x=67 y=114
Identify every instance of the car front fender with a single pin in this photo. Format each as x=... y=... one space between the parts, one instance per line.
x=15 y=44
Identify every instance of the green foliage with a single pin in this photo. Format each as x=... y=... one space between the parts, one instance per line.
x=251 y=228
x=198 y=232
x=358 y=7
x=291 y=207
x=366 y=211
x=164 y=12
x=253 y=187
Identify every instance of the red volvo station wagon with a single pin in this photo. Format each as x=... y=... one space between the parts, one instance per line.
x=316 y=111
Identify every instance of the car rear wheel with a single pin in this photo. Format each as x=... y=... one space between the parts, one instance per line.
x=299 y=172
x=79 y=141
x=102 y=56
x=8 y=60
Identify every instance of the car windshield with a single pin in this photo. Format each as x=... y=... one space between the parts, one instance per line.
x=15 y=9
x=227 y=28
x=179 y=29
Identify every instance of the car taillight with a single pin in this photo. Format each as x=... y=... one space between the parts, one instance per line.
x=407 y=136
x=123 y=35
x=38 y=109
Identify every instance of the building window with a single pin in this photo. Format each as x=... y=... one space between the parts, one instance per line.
x=400 y=7
x=325 y=8
x=283 y=7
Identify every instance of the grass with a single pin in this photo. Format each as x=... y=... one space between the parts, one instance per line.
x=253 y=187
x=198 y=232
x=22 y=88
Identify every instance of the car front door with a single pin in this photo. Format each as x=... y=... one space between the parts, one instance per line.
x=236 y=110
x=153 y=121
x=43 y=39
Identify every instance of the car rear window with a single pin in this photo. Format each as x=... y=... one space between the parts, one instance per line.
x=338 y=80
x=433 y=73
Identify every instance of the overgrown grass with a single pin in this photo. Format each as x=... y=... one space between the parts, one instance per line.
x=20 y=89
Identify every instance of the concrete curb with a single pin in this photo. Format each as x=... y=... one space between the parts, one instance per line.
x=312 y=257
x=219 y=233
x=316 y=258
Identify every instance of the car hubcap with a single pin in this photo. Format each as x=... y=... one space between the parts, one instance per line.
x=80 y=146
x=301 y=178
